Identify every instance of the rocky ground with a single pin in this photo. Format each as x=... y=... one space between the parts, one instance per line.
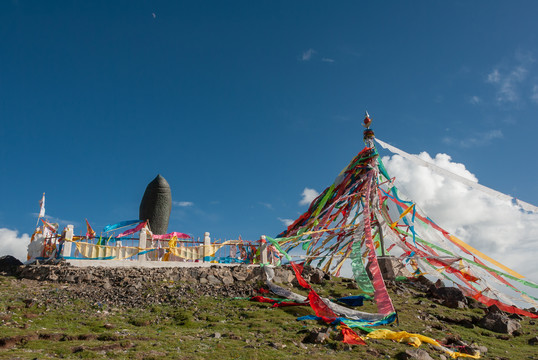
x=54 y=310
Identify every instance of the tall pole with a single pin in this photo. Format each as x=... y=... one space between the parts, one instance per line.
x=368 y=137
x=41 y=209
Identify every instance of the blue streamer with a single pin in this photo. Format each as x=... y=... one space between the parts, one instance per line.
x=231 y=260
x=357 y=300
x=408 y=257
x=83 y=258
x=120 y=225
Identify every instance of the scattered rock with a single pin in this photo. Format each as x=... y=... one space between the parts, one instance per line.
x=533 y=341
x=374 y=352
x=494 y=309
x=474 y=304
x=276 y=345
x=240 y=276
x=417 y=354
x=352 y=286
x=449 y=296
x=422 y=283
x=497 y=321
x=482 y=349
x=438 y=326
x=316 y=337
x=317 y=277
x=78 y=349
x=516 y=317
x=29 y=302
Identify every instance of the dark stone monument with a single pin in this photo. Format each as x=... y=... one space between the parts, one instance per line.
x=156 y=205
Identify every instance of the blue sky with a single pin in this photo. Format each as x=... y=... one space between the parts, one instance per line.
x=243 y=105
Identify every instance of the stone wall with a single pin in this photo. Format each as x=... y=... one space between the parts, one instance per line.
x=214 y=275
x=122 y=276
x=136 y=286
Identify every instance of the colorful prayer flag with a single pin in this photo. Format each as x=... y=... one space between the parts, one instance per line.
x=90 y=233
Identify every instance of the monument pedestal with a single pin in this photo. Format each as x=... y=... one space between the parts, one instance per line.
x=391 y=267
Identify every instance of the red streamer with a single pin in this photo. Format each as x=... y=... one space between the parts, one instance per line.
x=350 y=336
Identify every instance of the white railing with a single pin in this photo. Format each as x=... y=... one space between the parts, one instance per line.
x=145 y=249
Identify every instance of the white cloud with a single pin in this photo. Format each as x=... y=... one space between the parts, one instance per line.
x=478 y=139
x=495 y=227
x=508 y=90
x=13 y=244
x=509 y=80
x=475 y=100
x=183 y=203
x=308 y=196
x=534 y=95
x=307 y=55
x=329 y=60
x=267 y=205
x=286 y=222
x=494 y=77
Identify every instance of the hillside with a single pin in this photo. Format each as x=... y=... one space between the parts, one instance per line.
x=162 y=313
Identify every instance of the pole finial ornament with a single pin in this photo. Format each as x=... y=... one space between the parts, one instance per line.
x=367 y=120
x=368 y=136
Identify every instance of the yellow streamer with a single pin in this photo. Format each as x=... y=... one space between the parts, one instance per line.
x=416 y=340
x=457 y=241
x=89 y=251
x=92 y=251
x=393 y=225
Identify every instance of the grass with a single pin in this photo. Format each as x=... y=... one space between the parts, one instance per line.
x=215 y=328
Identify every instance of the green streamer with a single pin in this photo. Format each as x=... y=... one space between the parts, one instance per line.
x=323 y=201
x=359 y=272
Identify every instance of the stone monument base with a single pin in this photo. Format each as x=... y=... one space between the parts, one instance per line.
x=391 y=267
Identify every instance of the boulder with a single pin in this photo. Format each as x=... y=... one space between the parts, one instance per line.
x=9 y=265
x=316 y=337
x=449 y=296
x=422 y=283
x=240 y=275
x=213 y=280
x=283 y=276
x=481 y=349
x=317 y=277
x=498 y=321
x=417 y=354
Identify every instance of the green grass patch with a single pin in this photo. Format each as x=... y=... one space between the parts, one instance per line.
x=218 y=328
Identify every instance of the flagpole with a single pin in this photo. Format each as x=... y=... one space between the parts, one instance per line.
x=41 y=210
